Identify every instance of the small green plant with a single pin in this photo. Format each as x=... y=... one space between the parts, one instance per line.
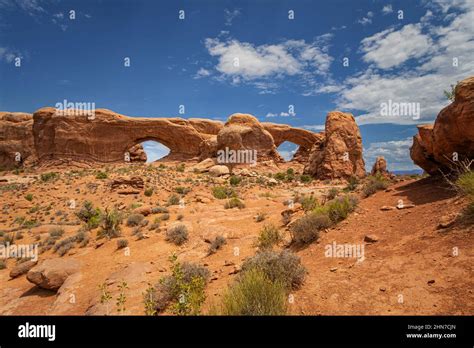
x=268 y=237
x=177 y=234
x=180 y=167
x=110 y=227
x=308 y=202
x=280 y=176
x=56 y=232
x=306 y=229
x=290 y=171
x=234 y=202
x=254 y=294
x=148 y=192
x=149 y=301
x=89 y=215
x=332 y=193
x=101 y=175
x=451 y=93
x=184 y=288
x=352 y=184
x=51 y=176
x=305 y=178
x=223 y=192
x=234 y=180
x=121 y=299
x=29 y=197
x=105 y=296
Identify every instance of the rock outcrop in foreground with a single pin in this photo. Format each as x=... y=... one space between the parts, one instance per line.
x=340 y=154
x=451 y=138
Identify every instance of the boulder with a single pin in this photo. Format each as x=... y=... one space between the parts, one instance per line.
x=137 y=154
x=22 y=268
x=435 y=147
x=52 y=273
x=339 y=155
x=245 y=132
x=204 y=165
x=219 y=170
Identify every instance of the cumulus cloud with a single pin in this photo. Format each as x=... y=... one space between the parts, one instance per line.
x=390 y=48
x=367 y=19
x=281 y=114
x=202 y=73
x=243 y=62
x=8 y=55
x=443 y=55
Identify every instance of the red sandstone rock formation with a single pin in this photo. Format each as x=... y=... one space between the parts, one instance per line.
x=16 y=141
x=452 y=135
x=244 y=132
x=380 y=166
x=340 y=154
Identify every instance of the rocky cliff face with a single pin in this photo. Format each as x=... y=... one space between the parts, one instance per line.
x=339 y=155
x=16 y=140
x=452 y=135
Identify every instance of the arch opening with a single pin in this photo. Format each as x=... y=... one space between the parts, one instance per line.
x=287 y=150
x=154 y=150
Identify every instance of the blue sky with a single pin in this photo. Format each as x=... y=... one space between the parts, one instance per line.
x=241 y=56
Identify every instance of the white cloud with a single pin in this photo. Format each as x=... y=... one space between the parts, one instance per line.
x=390 y=48
x=366 y=20
x=396 y=152
x=264 y=66
x=281 y=114
x=202 y=73
x=230 y=15
x=424 y=82
x=387 y=9
x=8 y=55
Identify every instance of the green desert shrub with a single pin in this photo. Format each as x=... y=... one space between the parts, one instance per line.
x=352 y=184
x=89 y=215
x=182 y=190
x=223 y=192
x=183 y=288
x=234 y=180
x=101 y=175
x=374 y=184
x=110 y=224
x=234 y=202
x=56 y=232
x=180 y=167
x=308 y=202
x=339 y=208
x=159 y=210
x=148 y=191
x=177 y=234
x=305 y=178
x=332 y=193
x=254 y=294
x=283 y=266
x=268 y=237
x=51 y=176
x=465 y=183
x=29 y=197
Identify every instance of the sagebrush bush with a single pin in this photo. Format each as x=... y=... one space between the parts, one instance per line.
x=135 y=220
x=122 y=243
x=182 y=190
x=284 y=267
x=216 y=244
x=254 y=294
x=29 y=197
x=51 y=176
x=173 y=200
x=234 y=202
x=306 y=229
x=148 y=192
x=177 y=234
x=352 y=184
x=305 y=178
x=339 y=208
x=465 y=183
x=374 y=184
x=101 y=175
x=159 y=210
x=223 y=192
x=56 y=232
x=332 y=193
x=268 y=237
